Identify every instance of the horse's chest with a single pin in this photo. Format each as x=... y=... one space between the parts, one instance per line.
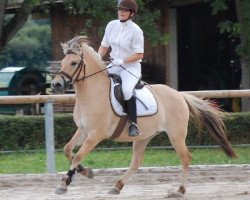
x=79 y=123
x=79 y=118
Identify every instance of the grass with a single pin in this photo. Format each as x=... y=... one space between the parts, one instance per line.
x=24 y=163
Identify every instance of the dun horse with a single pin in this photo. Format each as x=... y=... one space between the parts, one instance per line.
x=96 y=119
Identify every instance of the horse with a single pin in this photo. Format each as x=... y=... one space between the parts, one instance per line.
x=96 y=120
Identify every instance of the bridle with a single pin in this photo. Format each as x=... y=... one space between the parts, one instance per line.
x=81 y=67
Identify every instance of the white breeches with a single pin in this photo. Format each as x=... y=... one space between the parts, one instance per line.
x=129 y=77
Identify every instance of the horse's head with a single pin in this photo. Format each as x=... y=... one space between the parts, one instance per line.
x=72 y=66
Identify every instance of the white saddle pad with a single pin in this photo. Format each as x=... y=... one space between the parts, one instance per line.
x=145 y=102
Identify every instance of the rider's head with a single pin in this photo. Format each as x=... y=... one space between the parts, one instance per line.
x=127 y=6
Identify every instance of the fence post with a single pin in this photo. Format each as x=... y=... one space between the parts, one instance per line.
x=49 y=137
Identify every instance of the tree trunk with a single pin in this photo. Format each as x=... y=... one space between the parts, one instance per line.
x=3 y=4
x=245 y=61
x=15 y=24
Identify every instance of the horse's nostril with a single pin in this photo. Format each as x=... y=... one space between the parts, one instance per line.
x=58 y=85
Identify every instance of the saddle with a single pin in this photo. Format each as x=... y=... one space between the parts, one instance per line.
x=145 y=101
x=118 y=89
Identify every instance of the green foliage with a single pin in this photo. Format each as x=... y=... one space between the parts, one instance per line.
x=31 y=46
x=217 y=5
x=98 y=13
x=147 y=22
x=27 y=132
x=235 y=29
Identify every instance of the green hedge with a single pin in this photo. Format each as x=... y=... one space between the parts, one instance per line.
x=27 y=132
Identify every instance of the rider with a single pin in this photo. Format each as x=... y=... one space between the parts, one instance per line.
x=127 y=47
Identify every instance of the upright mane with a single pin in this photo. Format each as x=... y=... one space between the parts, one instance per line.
x=79 y=45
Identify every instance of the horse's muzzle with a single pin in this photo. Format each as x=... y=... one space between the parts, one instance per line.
x=58 y=86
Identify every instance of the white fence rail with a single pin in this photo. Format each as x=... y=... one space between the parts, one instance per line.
x=70 y=98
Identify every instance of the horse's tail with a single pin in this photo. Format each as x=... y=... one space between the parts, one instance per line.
x=205 y=113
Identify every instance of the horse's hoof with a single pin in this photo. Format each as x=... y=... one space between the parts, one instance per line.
x=114 y=190
x=175 y=195
x=60 y=190
x=89 y=173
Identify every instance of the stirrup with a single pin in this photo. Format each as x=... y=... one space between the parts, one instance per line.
x=133 y=129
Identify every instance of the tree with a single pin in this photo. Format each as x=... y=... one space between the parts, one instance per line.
x=13 y=25
x=30 y=47
x=2 y=12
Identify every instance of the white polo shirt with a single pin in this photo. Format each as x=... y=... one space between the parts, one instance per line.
x=125 y=39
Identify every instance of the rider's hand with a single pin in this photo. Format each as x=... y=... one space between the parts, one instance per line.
x=100 y=56
x=117 y=61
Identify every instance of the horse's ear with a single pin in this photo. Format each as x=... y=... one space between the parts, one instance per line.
x=65 y=48
x=63 y=45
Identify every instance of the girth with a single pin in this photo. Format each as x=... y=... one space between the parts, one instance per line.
x=119 y=128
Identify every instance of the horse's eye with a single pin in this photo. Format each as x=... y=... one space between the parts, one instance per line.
x=73 y=63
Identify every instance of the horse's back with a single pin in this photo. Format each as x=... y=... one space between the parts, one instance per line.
x=167 y=96
x=171 y=104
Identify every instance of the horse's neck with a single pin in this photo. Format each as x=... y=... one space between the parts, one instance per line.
x=93 y=88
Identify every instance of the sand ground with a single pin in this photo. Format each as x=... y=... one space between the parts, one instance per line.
x=217 y=182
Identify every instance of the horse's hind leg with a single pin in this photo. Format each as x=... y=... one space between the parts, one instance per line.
x=178 y=142
x=138 y=152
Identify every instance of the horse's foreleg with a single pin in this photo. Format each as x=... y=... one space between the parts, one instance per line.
x=69 y=147
x=138 y=152
x=88 y=145
x=77 y=139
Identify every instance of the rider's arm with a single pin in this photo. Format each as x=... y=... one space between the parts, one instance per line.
x=135 y=57
x=102 y=50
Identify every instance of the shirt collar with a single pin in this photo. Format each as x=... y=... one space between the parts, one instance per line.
x=127 y=23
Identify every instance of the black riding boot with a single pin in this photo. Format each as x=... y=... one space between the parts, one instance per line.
x=131 y=111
